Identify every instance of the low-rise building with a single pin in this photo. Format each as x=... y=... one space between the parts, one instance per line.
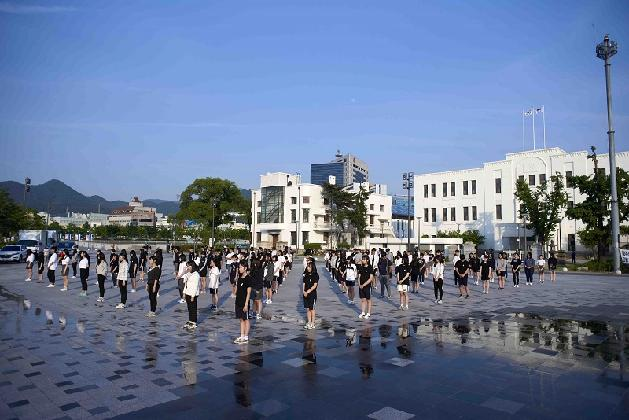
x=135 y=214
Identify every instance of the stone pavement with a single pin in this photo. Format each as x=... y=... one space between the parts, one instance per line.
x=546 y=351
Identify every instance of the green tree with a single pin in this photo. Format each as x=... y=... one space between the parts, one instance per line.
x=11 y=215
x=348 y=210
x=595 y=210
x=542 y=205
x=473 y=236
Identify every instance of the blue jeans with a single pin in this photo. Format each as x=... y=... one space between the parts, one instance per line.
x=384 y=282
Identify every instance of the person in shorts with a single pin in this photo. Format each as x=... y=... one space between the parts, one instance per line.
x=350 y=280
x=403 y=282
x=309 y=291
x=213 y=280
x=243 y=294
x=486 y=272
x=233 y=273
x=552 y=267
x=463 y=270
x=365 y=278
x=257 y=285
x=268 y=278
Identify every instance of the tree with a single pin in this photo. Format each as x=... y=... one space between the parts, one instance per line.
x=595 y=210
x=11 y=215
x=196 y=201
x=348 y=211
x=542 y=205
x=473 y=236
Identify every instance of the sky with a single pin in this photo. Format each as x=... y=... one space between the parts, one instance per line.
x=125 y=98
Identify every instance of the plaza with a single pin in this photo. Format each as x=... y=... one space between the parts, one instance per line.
x=543 y=351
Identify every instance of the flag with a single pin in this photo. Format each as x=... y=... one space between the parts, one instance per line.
x=538 y=110
x=528 y=113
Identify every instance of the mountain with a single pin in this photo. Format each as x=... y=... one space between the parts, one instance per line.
x=55 y=196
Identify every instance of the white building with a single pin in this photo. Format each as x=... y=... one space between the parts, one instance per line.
x=135 y=214
x=483 y=198
x=286 y=211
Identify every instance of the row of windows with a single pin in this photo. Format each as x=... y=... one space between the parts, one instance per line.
x=432 y=189
x=449 y=214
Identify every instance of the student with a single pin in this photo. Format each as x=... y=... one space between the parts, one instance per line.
x=383 y=274
x=552 y=266
x=75 y=260
x=501 y=267
x=233 y=274
x=516 y=265
x=52 y=266
x=463 y=270
x=30 y=261
x=213 y=282
x=438 y=268
x=203 y=266
x=365 y=278
x=121 y=279
x=152 y=285
x=475 y=267
x=455 y=259
x=541 y=263
x=529 y=268
x=133 y=269
x=485 y=273
x=191 y=293
x=257 y=285
x=65 y=269
x=492 y=265
x=142 y=263
x=341 y=273
x=40 y=266
x=101 y=272
x=183 y=269
x=113 y=267
x=422 y=269
x=84 y=272
x=309 y=291
x=350 y=280
x=414 y=273
x=269 y=270
x=403 y=280
x=243 y=293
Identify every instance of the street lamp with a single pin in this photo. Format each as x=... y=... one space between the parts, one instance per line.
x=605 y=50
x=214 y=201
x=419 y=234
x=407 y=184
x=524 y=218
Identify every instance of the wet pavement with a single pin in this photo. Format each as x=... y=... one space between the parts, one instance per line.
x=543 y=351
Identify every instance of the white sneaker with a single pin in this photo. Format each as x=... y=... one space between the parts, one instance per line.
x=402 y=307
x=120 y=306
x=406 y=307
x=436 y=301
x=238 y=340
x=51 y=285
x=258 y=316
x=182 y=301
x=361 y=316
x=157 y=294
x=307 y=327
x=27 y=280
x=64 y=289
x=73 y=277
x=269 y=301
x=440 y=302
x=367 y=315
x=132 y=290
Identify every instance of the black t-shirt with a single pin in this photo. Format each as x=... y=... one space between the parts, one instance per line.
x=462 y=266
x=402 y=271
x=552 y=263
x=153 y=275
x=257 y=276
x=383 y=265
x=515 y=264
x=485 y=266
x=475 y=264
x=415 y=267
x=309 y=280
x=242 y=284
x=113 y=263
x=364 y=272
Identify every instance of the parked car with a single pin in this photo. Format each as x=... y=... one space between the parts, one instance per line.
x=13 y=253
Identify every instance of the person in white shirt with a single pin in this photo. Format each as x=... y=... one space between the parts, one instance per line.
x=30 y=261
x=214 y=274
x=123 y=273
x=65 y=269
x=183 y=269
x=541 y=263
x=191 y=281
x=52 y=266
x=84 y=271
x=277 y=269
x=455 y=259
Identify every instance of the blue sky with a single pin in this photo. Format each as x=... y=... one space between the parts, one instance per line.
x=124 y=98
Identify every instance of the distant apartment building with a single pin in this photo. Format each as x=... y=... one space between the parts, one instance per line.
x=483 y=198
x=347 y=169
x=135 y=214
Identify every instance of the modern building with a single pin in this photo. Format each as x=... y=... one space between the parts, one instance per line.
x=135 y=214
x=347 y=169
x=288 y=212
x=483 y=198
x=400 y=215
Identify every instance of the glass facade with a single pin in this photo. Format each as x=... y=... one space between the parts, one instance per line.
x=272 y=207
x=319 y=173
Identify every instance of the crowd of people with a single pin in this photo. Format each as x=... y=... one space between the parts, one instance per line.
x=256 y=275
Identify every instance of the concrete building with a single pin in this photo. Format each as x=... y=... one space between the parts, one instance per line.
x=135 y=214
x=399 y=215
x=347 y=169
x=288 y=212
x=483 y=198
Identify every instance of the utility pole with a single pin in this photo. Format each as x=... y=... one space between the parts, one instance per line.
x=605 y=50
x=408 y=184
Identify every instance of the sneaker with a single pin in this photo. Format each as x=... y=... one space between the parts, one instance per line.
x=401 y=307
x=192 y=326
x=233 y=295
x=27 y=280
x=349 y=301
x=461 y=295
x=440 y=302
x=148 y=314
x=367 y=315
x=269 y=301
x=467 y=296
x=406 y=307
x=182 y=301
x=120 y=306
x=73 y=277
x=361 y=316
x=436 y=301
x=518 y=286
x=258 y=316
x=245 y=339
x=51 y=285
x=132 y=290
x=152 y=314
x=157 y=294
x=64 y=289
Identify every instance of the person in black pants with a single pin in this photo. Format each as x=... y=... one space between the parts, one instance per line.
x=113 y=267
x=516 y=265
x=101 y=271
x=75 y=261
x=152 y=285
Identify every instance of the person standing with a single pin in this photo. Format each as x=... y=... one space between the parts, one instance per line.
x=501 y=267
x=516 y=265
x=65 y=269
x=486 y=272
x=350 y=280
x=101 y=272
x=573 y=256
x=529 y=268
x=243 y=294
x=123 y=272
x=463 y=270
x=213 y=282
x=414 y=273
x=133 y=269
x=113 y=266
x=455 y=259
x=552 y=267
x=492 y=265
x=203 y=265
x=475 y=267
x=403 y=280
x=383 y=274
x=152 y=285
x=438 y=268
x=365 y=278
x=84 y=272
x=75 y=260
x=541 y=264
x=30 y=261
x=52 y=266
x=191 y=292
x=269 y=276
x=257 y=286
x=309 y=291
x=142 y=263
x=183 y=269
x=40 y=266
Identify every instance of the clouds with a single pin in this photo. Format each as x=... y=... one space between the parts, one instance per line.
x=24 y=9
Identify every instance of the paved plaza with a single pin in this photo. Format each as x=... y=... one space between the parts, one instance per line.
x=546 y=351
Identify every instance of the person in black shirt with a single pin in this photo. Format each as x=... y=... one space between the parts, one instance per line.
x=309 y=291
x=485 y=273
x=142 y=263
x=516 y=265
x=365 y=278
x=113 y=267
x=243 y=294
x=463 y=268
x=474 y=267
x=414 y=273
x=403 y=281
x=133 y=269
x=152 y=285
x=552 y=266
x=257 y=285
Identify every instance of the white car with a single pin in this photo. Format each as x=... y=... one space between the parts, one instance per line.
x=13 y=253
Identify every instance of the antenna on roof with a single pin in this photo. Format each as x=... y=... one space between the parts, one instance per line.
x=338 y=153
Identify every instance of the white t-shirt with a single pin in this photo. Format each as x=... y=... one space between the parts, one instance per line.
x=83 y=263
x=53 y=261
x=30 y=259
x=214 y=274
x=455 y=259
x=65 y=261
x=277 y=267
x=350 y=273
x=541 y=262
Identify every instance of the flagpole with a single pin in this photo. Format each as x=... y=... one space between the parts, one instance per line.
x=533 y=130
x=544 y=122
x=523 y=147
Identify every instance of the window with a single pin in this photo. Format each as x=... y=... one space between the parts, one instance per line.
x=293 y=215
x=433 y=189
x=498 y=185
x=306 y=200
x=304 y=238
x=521 y=178
x=569 y=179
x=306 y=217
x=259 y=236
x=371 y=220
x=452 y=214
x=466 y=213
x=444 y=214
x=293 y=200
x=531 y=180
x=570 y=204
x=434 y=215
x=293 y=238
x=426 y=191
x=326 y=218
x=601 y=171
x=474 y=215
x=381 y=208
x=445 y=189
x=465 y=188
x=542 y=178
x=371 y=207
x=326 y=236
x=326 y=201
x=571 y=242
x=499 y=211
x=272 y=208
x=473 y=186
x=452 y=189
x=426 y=218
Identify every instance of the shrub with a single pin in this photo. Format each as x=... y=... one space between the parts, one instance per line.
x=313 y=246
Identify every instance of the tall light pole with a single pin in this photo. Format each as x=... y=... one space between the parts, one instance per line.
x=214 y=201
x=407 y=184
x=419 y=234
x=605 y=50
x=524 y=217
